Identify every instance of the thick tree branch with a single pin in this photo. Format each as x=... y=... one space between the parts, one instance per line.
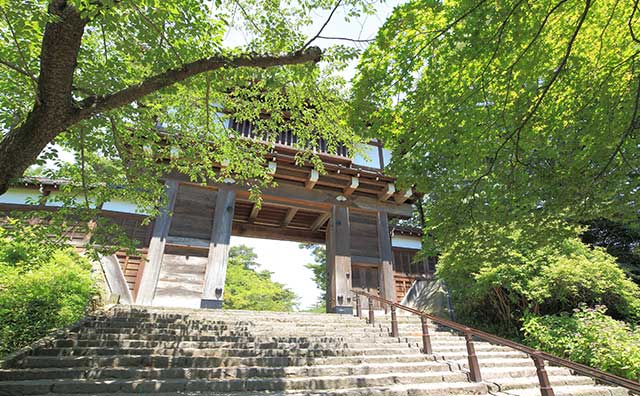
x=94 y=105
x=52 y=111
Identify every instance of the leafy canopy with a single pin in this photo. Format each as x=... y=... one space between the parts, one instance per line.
x=125 y=138
x=499 y=109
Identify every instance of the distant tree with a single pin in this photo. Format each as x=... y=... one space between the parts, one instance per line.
x=248 y=287
x=619 y=240
x=319 y=269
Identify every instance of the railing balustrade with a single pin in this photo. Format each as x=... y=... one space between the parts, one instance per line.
x=470 y=334
x=286 y=138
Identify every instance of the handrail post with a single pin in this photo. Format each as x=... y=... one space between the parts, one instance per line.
x=426 y=338
x=545 y=386
x=371 y=318
x=358 y=307
x=474 y=367
x=394 y=322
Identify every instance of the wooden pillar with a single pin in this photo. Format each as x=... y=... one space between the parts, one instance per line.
x=387 y=283
x=149 y=280
x=339 y=261
x=216 y=271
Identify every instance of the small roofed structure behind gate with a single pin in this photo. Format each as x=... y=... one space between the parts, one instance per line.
x=182 y=259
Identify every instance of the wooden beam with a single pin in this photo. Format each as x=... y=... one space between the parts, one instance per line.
x=312 y=180
x=149 y=280
x=319 y=222
x=355 y=182
x=386 y=258
x=402 y=196
x=290 y=215
x=216 y=271
x=254 y=213
x=277 y=233
x=295 y=195
x=388 y=192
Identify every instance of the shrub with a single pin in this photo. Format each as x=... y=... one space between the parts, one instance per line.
x=589 y=336
x=40 y=295
x=500 y=274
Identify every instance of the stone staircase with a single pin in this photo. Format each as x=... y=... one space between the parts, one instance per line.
x=133 y=350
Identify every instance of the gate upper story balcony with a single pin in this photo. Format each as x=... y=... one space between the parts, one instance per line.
x=374 y=156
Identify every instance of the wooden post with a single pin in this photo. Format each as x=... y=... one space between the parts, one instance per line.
x=426 y=338
x=149 y=280
x=339 y=260
x=216 y=271
x=545 y=386
x=474 y=366
x=372 y=318
x=394 y=322
x=387 y=281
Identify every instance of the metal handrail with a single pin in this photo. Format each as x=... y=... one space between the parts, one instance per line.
x=538 y=356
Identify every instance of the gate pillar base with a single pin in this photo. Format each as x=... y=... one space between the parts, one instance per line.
x=342 y=310
x=211 y=304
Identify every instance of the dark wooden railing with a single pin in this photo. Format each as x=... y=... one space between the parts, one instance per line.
x=287 y=138
x=470 y=334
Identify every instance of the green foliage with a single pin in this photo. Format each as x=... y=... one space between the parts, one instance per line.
x=500 y=274
x=319 y=269
x=247 y=287
x=497 y=110
x=120 y=153
x=590 y=337
x=40 y=289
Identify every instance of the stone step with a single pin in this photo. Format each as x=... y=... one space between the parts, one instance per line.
x=221 y=373
x=509 y=371
x=35 y=387
x=504 y=383
x=273 y=331
x=168 y=352
x=230 y=341
x=494 y=362
x=163 y=361
x=570 y=390
x=438 y=346
x=194 y=325
x=224 y=352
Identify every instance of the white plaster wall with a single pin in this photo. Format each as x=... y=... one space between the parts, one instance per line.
x=407 y=242
x=122 y=206
x=20 y=196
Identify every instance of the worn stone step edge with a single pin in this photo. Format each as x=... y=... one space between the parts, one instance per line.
x=219 y=372
x=251 y=384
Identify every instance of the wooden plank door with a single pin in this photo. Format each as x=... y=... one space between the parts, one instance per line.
x=366 y=279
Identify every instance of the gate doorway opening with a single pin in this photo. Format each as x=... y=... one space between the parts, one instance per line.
x=286 y=261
